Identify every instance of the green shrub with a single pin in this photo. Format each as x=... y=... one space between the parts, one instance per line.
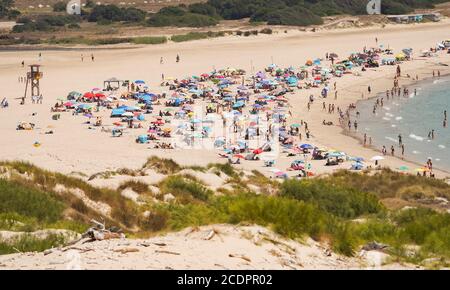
x=60 y=6
x=150 y=40
x=74 y=26
x=185 y=20
x=266 y=31
x=112 y=13
x=189 y=36
x=341 y=201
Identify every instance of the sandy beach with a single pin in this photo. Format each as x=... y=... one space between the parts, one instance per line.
x=73 y=148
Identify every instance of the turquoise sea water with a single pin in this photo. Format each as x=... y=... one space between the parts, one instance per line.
x=413 y=117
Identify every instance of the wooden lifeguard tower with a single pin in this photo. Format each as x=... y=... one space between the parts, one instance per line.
x=33 y=78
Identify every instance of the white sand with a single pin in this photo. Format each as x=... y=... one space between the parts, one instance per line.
x=75 y=148
x=230 y=247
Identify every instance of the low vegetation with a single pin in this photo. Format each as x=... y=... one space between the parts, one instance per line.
x=344 y=210
x=180 y=17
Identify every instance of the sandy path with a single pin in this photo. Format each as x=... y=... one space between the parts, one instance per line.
x=75 y=148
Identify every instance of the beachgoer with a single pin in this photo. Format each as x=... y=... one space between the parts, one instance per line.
x=400 y=140
x=392 y=150
x=403 y=151
x=178 y=58
x=92 y=57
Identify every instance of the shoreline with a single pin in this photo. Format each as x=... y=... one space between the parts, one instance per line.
x=410 y=85
x=57 y=154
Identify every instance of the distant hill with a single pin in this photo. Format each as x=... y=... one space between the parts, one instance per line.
x=147 y=5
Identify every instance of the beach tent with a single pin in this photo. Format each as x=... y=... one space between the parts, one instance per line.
x=142 y=139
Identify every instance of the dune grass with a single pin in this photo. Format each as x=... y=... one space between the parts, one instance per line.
x=322 y=208
x=162 y=165
x=185 y=189
x=28 y=243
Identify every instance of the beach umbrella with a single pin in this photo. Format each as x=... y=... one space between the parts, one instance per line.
x=403 y=168
x=333 y=55
x=85 y=106
x=296 y=125
x=96 y=89
x=377 y=158
x=306 y=146
x=238 y=104
x=335 y=154
x=127 y=114
x=89 y=95
x=139 y=82
x=74 y=94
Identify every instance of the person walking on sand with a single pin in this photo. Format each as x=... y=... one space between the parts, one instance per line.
x=369 y=89
x=445 y=119
x=392 y=150
x=82 y=58
x=40 y=56
x=383 y=150
x=365 y=140
x=355 y=124
x=92 y=57
x=403 y=151
x=161 y=61
x=178 y=58
x=399 y=71
x=439 y=73
x=23 y=63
